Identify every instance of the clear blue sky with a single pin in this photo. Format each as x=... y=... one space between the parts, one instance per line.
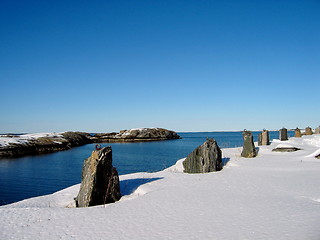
x=199 y=65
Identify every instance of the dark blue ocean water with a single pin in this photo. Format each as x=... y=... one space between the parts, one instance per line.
x=32 y=176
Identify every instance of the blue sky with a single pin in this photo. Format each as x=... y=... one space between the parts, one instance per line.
x=103 y=66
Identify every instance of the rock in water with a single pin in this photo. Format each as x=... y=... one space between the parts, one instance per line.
x=206 y=158
x=317 y=130
x=297 y=132
x=308 y=131
x=100 y=180
x=283 y=134
x=136 y=135
x=249 y=150
x=264 y=138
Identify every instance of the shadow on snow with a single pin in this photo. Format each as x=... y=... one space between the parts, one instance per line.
x=130 y=185
x=225 y=161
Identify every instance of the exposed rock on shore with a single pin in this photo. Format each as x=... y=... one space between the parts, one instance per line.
x=263 y=138
x=297 y=132
x=248 y=150
x=100 y=181
x=206 y=158
x=136 y=135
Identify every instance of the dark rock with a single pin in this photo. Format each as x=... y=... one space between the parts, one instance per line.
x=100 y=180
x=249 y=150
x=285 y=149
x=263 y=138
x=206 y=158
x=76 y=138
x=308 y=131
x=283 y=134
x=297 y=132
x=318 y=156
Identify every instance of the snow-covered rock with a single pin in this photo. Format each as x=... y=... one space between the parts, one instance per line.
x=30 y=144
x=137 y=134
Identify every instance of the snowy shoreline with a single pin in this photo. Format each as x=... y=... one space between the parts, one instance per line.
x=272 y=196
x=12 y=146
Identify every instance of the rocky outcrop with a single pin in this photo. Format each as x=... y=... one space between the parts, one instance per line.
x=29 y=144
x=26 y=145
x=100 y=181
x=297 y=132
x=206 y=158
x=136 y=135
x=283 y=134
x=74 y=139
x=263 y=138
x=248 y=150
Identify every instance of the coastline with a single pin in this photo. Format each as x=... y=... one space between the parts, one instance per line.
x=244 y=200
x=13 y=146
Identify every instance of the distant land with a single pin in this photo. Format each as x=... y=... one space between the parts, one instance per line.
x=16 y=145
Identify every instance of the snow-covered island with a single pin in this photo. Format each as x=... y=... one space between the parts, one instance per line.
x=273 y=196
x=29 y=144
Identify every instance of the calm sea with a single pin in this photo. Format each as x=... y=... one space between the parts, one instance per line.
x=31 y=176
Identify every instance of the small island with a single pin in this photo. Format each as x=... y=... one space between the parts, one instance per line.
x=12 y=146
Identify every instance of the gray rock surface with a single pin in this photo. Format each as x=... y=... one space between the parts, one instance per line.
x=100 y=180
x=263 y=138
x=297 y=132
x=283 y=134
x=285 y=149
x=248 y=150
x=206 y=158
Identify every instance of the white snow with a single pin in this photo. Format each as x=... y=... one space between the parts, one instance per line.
x=129 y=132
x=5 y=140
x=284 y=145
x=273 y=196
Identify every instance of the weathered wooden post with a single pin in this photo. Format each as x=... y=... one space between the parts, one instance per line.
x=249 y=150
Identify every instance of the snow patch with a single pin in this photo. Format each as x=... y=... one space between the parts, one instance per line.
x=284 y=145
x=314 y=154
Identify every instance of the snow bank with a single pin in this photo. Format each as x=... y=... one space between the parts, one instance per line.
x=8 y=139
x=273 y=196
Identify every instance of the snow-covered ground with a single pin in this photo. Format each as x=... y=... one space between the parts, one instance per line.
x=273 y=196
x=6 y=140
